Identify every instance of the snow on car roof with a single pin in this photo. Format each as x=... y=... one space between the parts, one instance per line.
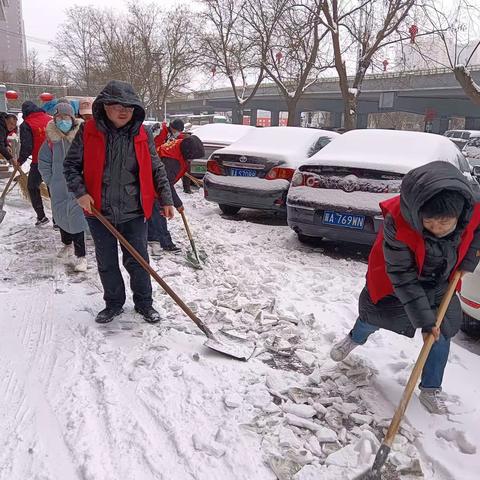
x=388 y=150
x=285 y=142
x=221 y=133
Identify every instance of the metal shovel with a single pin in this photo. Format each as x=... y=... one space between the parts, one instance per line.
x=375 y=472
x=195 y=257
x=4 y=194
x=218 y=341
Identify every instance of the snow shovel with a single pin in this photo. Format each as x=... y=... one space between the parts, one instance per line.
x=195 y=257
x=4 y=194
x=218 y=341
x=375 y=472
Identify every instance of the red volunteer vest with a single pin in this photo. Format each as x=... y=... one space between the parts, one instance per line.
x=172 y=150
x=94 y=148
x=37 y=122
x=378 y=282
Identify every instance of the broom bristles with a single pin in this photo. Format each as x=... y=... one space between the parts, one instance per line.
x=22 y=181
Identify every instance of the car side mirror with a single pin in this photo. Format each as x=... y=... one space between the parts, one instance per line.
x=476 y=171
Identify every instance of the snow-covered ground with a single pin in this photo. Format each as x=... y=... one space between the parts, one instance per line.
x=134 y=401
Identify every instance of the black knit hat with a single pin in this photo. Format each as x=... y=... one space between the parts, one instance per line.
x=445 y=204
x=192 y=147
x=177 y=124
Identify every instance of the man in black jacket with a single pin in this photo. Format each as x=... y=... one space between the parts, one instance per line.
x=112 y=164
x=8 y=123
x=430 y=231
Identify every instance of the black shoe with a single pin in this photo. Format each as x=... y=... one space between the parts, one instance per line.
x=149 y=314
x=41 y=221
x=56 y=227
x=189 y=192
x=172 y=248
x=108 y=314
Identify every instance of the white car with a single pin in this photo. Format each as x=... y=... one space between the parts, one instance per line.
x=255 y=171
x=336 y=194
x=470 y=301
x=215 y=136
x=461 y=137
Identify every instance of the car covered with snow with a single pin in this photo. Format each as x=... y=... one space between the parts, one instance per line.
x=215 y=136
x=336 y=194
x=472 y=151
x=470 y=301
x=461 y=137
x=255 y=172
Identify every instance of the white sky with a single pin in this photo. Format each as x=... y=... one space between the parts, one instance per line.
x=42 y=18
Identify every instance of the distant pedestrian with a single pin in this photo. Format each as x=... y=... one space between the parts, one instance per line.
x=68 y=215
x=8 y=123
x=32 y=136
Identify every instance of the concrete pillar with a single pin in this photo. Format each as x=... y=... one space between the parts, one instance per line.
x=253 y=117
x=336 y=119
x=472 y=123
x=274 y=118
x=444 y=122
x=362 y=120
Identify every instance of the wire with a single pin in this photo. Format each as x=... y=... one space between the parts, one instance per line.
x=27 y=37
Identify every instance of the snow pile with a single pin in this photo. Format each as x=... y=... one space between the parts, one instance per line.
x=222 y=133
x=254 y=184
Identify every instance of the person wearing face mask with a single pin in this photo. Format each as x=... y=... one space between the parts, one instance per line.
x=430 y=231
x=68 y=215
x=8 y=123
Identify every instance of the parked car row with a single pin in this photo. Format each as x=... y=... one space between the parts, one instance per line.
x=329 y=185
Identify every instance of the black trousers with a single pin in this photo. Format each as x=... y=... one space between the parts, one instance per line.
x=78 y=240
x=33 y=185
x=106 y=251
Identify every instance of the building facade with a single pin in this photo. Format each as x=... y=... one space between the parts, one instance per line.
x=13 y=45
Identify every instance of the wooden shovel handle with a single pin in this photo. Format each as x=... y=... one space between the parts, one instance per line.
x=10 y=180
x=151 y=271
x=420 y=363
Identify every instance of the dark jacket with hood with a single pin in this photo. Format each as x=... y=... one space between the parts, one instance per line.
x=417 y=296
x=30 y=142
x=121 y=199
x=3 y=137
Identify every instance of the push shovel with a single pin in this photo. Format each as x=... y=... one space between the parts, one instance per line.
x=196 y=257
x=4 y=194
x=375 y=472
x=218 y=341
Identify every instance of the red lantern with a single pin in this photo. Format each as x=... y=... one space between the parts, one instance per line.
x=214 y=70
x=279 y=56
x=413 y=31
x=11 y=95
x=46 y=97
x=385 y=65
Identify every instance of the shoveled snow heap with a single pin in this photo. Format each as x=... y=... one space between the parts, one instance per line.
x=138 y=401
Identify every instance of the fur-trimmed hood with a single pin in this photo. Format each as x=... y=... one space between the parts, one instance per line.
x=54 y=134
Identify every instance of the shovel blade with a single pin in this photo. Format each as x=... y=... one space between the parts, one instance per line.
x=230 y=346
x=2 y=215
x=194 y=260
x=380 y=459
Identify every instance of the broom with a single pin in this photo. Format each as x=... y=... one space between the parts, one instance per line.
x=22 y=181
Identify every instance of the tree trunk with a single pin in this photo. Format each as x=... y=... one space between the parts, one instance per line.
x=237 y=115
x=350 y=112
x=471 y=89
x=293 y=120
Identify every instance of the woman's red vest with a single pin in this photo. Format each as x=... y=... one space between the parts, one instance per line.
x=172 y=150
x=378 y=282
x=94 y=151
x=37 y=122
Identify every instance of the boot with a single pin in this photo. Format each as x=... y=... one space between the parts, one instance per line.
x=149 y=314
x=81 y=264
x=341 y=350
x=172 y=248
x=41 y=221
x=108 y=314
x=431 y=399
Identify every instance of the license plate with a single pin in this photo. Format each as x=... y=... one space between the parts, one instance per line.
x=344 y=220
x=199 y=169
x=243 y=172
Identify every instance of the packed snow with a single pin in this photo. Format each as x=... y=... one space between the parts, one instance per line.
x=221 y=133
x=366 y=149
x=254 y=184
x=129 y=400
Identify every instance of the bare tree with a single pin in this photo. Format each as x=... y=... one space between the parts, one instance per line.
x=229 y=49
x=367 y=26
x=290 y=34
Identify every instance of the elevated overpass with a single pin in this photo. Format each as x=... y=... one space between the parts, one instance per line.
x=420 y=91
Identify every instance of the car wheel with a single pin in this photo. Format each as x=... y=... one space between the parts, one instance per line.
x=228 y=209
x=308 y=240
x=470 y=325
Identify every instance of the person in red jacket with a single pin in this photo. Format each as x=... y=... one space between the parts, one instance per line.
x=32 y=136
x=430 y=231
